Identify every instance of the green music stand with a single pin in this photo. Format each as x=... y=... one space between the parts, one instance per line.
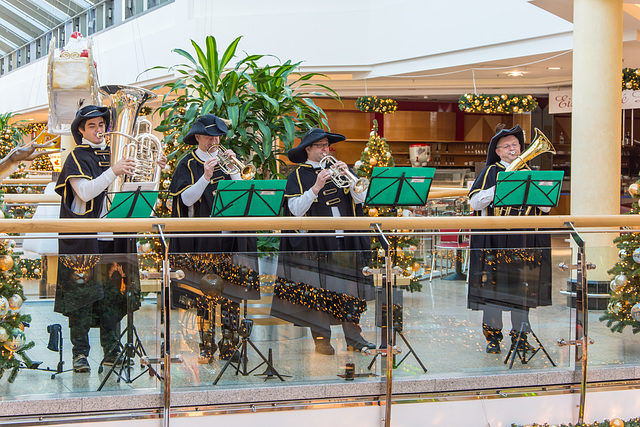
x=399 y=186
x=133 y=204
x=236 y=198
x=523 y=189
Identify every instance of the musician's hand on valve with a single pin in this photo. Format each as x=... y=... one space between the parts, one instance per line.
x=342 y=166
x=321 y=180
x=209 y=165
x=230 y=153
x=124 y=166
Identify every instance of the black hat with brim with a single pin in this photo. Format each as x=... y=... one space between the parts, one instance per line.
x=299 y=154
x=85 y=113
x=208 y=124
x=492 y=156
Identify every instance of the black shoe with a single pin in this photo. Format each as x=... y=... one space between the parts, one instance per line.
x=323 y=346
x=81 y=364
x=493 y=347
x=359 y=345
x=111 y=360
x=494 y=337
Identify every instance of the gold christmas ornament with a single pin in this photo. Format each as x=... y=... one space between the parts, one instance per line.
x=4 y=335
x=36 y=271
x=616 y=422
x=15 y=302
x=166 y=183
x=373 y=212
x=4 y=306
x=6 y=263
x=16 y=340
x=634 y=189
x=415 y=266
x=373 y=161
x=23 y=270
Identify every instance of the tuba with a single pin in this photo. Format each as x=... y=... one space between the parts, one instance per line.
x=343 y=179
x=540 y=144
x=127 y=141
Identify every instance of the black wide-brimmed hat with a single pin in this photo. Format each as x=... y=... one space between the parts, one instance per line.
x=208 y=124
x=299 y=154
x=492 y=156
x=89 y=112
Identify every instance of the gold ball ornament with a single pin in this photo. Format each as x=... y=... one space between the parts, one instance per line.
x=504 y=97
x=628 y=85
x=19 y=190
x=634 y=189
x=621 y=280
x=15 y=302
x=4 y=335
x=387 y=155
x=366 y=149
x=415 y=266
x=36 y=271
x=381 y=252
x=616 y=422
x=23 y=270
x=166 y=183
x=373 y=212
x=6 y=263
x=373 y=161
x=146 y=247
x=16 y=340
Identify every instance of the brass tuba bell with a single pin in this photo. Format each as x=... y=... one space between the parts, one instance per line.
x=540 y=144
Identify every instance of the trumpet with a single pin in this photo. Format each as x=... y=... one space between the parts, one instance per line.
x=230 y=164
x=343 y=178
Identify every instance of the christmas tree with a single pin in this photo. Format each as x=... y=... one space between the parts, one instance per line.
x=13 y=345
x=624 y=303
x=378 y=154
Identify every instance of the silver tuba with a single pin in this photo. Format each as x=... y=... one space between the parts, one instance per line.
x=343 y=179
x=126 y=139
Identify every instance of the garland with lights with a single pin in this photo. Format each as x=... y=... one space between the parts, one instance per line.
x=221 y=265
x=630 y=78
x=341 y=306
x=373 y=104
x=615 y=422
x=144 y=111
x=496 y=104
x=34 y=128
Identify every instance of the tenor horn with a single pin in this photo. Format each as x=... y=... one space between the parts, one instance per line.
x=343 y=179
x=126 y=139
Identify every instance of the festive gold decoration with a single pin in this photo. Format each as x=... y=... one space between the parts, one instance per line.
x=373 y=212
x=345 y=308
x=415 y=266
x=6 y=262
x=630 y=79
x=374 y=104
x=373 y=161
x=494 y=104
x=616 y=422
x=634 y=189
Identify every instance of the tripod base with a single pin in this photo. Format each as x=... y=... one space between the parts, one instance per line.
x=241 y=367
x=411 y=351
x=519 y=348
x=124 y=360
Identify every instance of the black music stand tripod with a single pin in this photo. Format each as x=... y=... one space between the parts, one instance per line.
x=248 y=199
x=393 y=187
x=136 y=204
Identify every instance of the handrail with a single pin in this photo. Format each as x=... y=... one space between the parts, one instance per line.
x=315 y=223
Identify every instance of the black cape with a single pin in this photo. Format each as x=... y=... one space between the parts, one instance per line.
x=87 y=272
x=317 y=284
x=507 y=270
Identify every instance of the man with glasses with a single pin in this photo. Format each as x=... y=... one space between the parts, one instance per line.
x=322 y=282
x=507 y=272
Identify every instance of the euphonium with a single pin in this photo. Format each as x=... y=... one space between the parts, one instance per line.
x=127 y=141
x=230 y=164
x=343 y=179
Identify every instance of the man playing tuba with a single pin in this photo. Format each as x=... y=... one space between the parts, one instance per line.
x=507 y=272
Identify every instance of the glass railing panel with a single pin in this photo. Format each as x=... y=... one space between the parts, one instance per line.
x=441 y=315
x=70 y=298
x=290 y=297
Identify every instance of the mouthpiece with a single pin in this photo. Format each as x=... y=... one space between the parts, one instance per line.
x=512 y=153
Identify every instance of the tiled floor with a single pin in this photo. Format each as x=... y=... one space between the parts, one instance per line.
x=444 y=334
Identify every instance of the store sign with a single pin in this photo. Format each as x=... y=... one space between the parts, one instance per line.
x=560 y=101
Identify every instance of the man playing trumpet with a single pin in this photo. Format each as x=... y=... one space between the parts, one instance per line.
x=205 y=259
x=327 y=267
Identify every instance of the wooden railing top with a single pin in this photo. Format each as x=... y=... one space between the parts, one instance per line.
x=316 y=223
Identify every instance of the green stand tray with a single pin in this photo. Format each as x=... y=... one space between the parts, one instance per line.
x=399 y=186
x=523 y=189
x=236 y=198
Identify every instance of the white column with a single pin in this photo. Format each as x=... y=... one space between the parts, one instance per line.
x=595 y=128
